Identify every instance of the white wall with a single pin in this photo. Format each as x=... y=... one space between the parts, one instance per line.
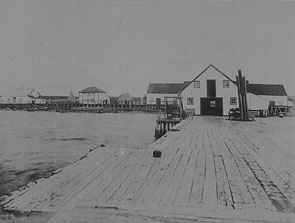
x=279 y=100
x=40 y=101
x=15 y=100
x=93 y=98
x=151 y=98
x=256 y=102
x=197 y=93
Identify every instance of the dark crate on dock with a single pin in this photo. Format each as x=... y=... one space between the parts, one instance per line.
x=157 y=154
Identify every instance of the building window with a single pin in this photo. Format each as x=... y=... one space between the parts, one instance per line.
x=196 y=84
x=233 y=100
x=225 y=83
x=190 y=101
x=212 y=104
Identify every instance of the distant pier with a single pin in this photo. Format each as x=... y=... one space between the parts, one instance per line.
x=211 y=170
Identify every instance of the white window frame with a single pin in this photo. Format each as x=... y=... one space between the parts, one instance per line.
x=226 y=84
x=197 y=84
x=233 y=102
x=212 y=104
x=190 y=101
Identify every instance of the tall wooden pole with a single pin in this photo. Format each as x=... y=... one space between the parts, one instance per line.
x=242 y=93
x=180 y=107
x=245 y=99
x=244 y=96
x=240 y=97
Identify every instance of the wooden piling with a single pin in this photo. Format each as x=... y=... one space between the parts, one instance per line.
x=163 y=126
x=242 y=95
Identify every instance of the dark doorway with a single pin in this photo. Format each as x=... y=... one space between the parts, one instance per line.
x=211 y=88
x=211 y=106
x=158 y=102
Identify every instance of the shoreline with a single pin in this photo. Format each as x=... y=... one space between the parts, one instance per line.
x=33 y=216
x=86 y=110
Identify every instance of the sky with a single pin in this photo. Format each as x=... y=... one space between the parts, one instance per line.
x=121 y=46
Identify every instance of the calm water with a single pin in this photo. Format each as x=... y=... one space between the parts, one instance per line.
x=33 y=144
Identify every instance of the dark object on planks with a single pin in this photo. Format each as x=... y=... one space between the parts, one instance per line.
x=234 y=114
x=157 y=154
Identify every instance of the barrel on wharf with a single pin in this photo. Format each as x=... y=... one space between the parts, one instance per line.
x=163 y=126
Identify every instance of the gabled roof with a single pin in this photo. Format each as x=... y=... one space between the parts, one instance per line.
x=166 y=88
x=267 y=89
x=92 y=90
x=211 y=65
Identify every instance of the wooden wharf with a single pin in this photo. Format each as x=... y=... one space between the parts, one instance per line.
x=211 y=170
x=165 y=125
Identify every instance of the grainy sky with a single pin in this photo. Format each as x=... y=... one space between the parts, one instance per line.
x=122 y=46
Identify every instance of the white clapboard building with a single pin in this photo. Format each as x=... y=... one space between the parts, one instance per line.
x=211 y=92
x=93 y=96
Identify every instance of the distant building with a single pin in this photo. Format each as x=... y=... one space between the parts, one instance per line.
x=93 y=96
x=291 y=103
x=114 y=100
x=212 y=92
x=125 y=99
x=272 y=94
x=55 y=99
x=20 y=95
x=156 y=93
x=271 y=98
x=137 y=100
x=144 y=99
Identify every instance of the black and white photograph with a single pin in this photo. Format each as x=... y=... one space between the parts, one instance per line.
x=147 y=111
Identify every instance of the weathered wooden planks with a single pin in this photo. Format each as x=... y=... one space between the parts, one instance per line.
x=211 y=164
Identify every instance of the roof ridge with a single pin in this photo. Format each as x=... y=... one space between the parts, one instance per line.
x=92 y=89
x=203 y=71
